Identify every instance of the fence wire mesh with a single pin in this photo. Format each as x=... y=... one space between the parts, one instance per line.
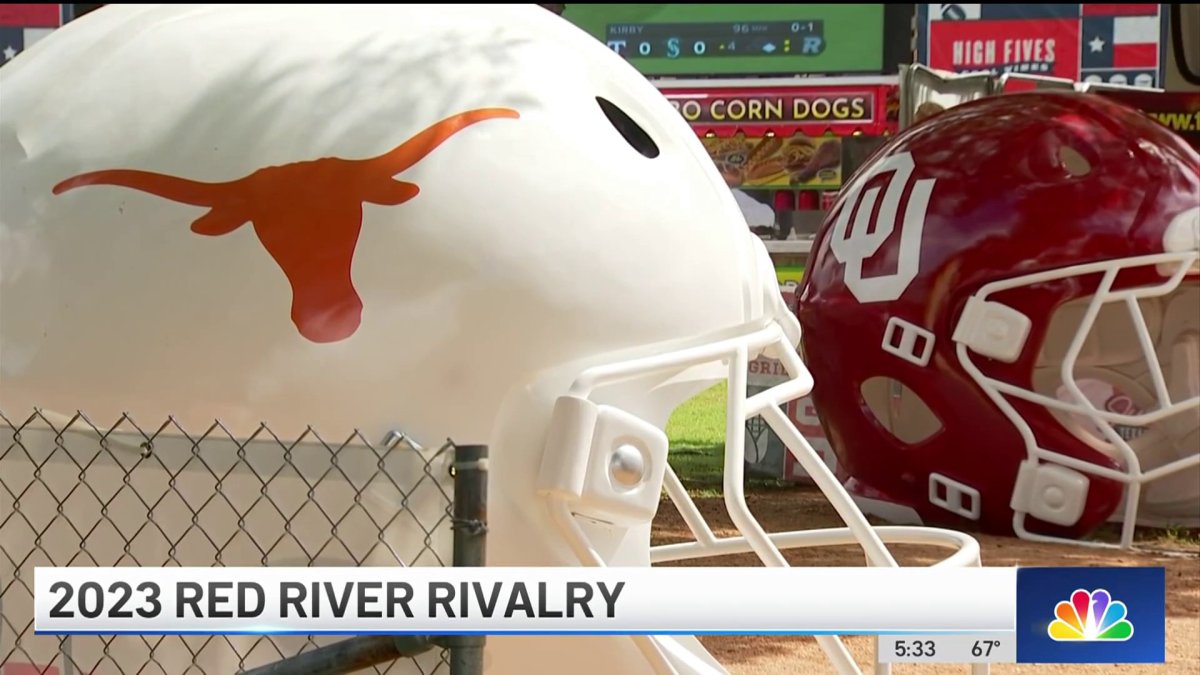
x=75 y=492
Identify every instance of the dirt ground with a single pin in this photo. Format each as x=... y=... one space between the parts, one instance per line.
x=804 y=507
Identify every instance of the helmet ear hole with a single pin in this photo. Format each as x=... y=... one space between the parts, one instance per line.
x=899 y=410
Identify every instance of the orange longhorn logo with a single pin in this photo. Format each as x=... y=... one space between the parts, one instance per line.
x=307 y=215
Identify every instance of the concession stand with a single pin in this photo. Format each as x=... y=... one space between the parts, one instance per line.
x=789 y=142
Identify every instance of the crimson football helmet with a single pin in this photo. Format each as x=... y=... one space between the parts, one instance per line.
x=1002 y=316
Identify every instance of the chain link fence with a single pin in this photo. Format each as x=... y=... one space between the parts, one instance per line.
x=80 y=492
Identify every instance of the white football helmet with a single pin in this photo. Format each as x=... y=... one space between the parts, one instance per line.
x=465 y=222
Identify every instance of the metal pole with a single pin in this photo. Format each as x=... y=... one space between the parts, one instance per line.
x=470 y=544
x=348 y=656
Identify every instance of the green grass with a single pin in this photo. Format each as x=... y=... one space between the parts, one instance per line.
x=696 y=432
x=1180 y=536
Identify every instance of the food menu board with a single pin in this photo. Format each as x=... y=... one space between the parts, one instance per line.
x=798 y=162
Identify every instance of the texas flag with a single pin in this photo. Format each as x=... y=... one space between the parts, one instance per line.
x=21 y=25
x=1123 y=41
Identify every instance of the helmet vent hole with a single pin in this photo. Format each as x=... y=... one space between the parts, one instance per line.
x=899 y=410
x=1073 y=161
x=631 y=131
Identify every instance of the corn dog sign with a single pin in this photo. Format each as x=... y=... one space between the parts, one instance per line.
x=767 y=106
x=813 y=111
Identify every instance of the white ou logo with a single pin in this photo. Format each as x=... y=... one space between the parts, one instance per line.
x=863 y=241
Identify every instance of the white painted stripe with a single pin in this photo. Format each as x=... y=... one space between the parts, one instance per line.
x=32 y=35
x=1132 y=30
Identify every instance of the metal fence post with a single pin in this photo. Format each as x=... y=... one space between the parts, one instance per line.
x=348 y=656
x=470 y=543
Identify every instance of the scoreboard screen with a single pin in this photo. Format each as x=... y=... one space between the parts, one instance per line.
x=739 y=39
x=717 y=40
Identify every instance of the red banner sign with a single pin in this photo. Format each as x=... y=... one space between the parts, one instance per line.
x=31 y=15
x=812 y=111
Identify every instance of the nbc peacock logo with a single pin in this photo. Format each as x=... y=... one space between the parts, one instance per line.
x=1090 y=617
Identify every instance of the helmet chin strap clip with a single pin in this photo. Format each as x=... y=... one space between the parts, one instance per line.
x=992 y=329
x=606 y=463
x=1051 y=493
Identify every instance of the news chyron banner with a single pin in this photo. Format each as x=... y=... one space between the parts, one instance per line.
x=1087 y=42
x=923 y=614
